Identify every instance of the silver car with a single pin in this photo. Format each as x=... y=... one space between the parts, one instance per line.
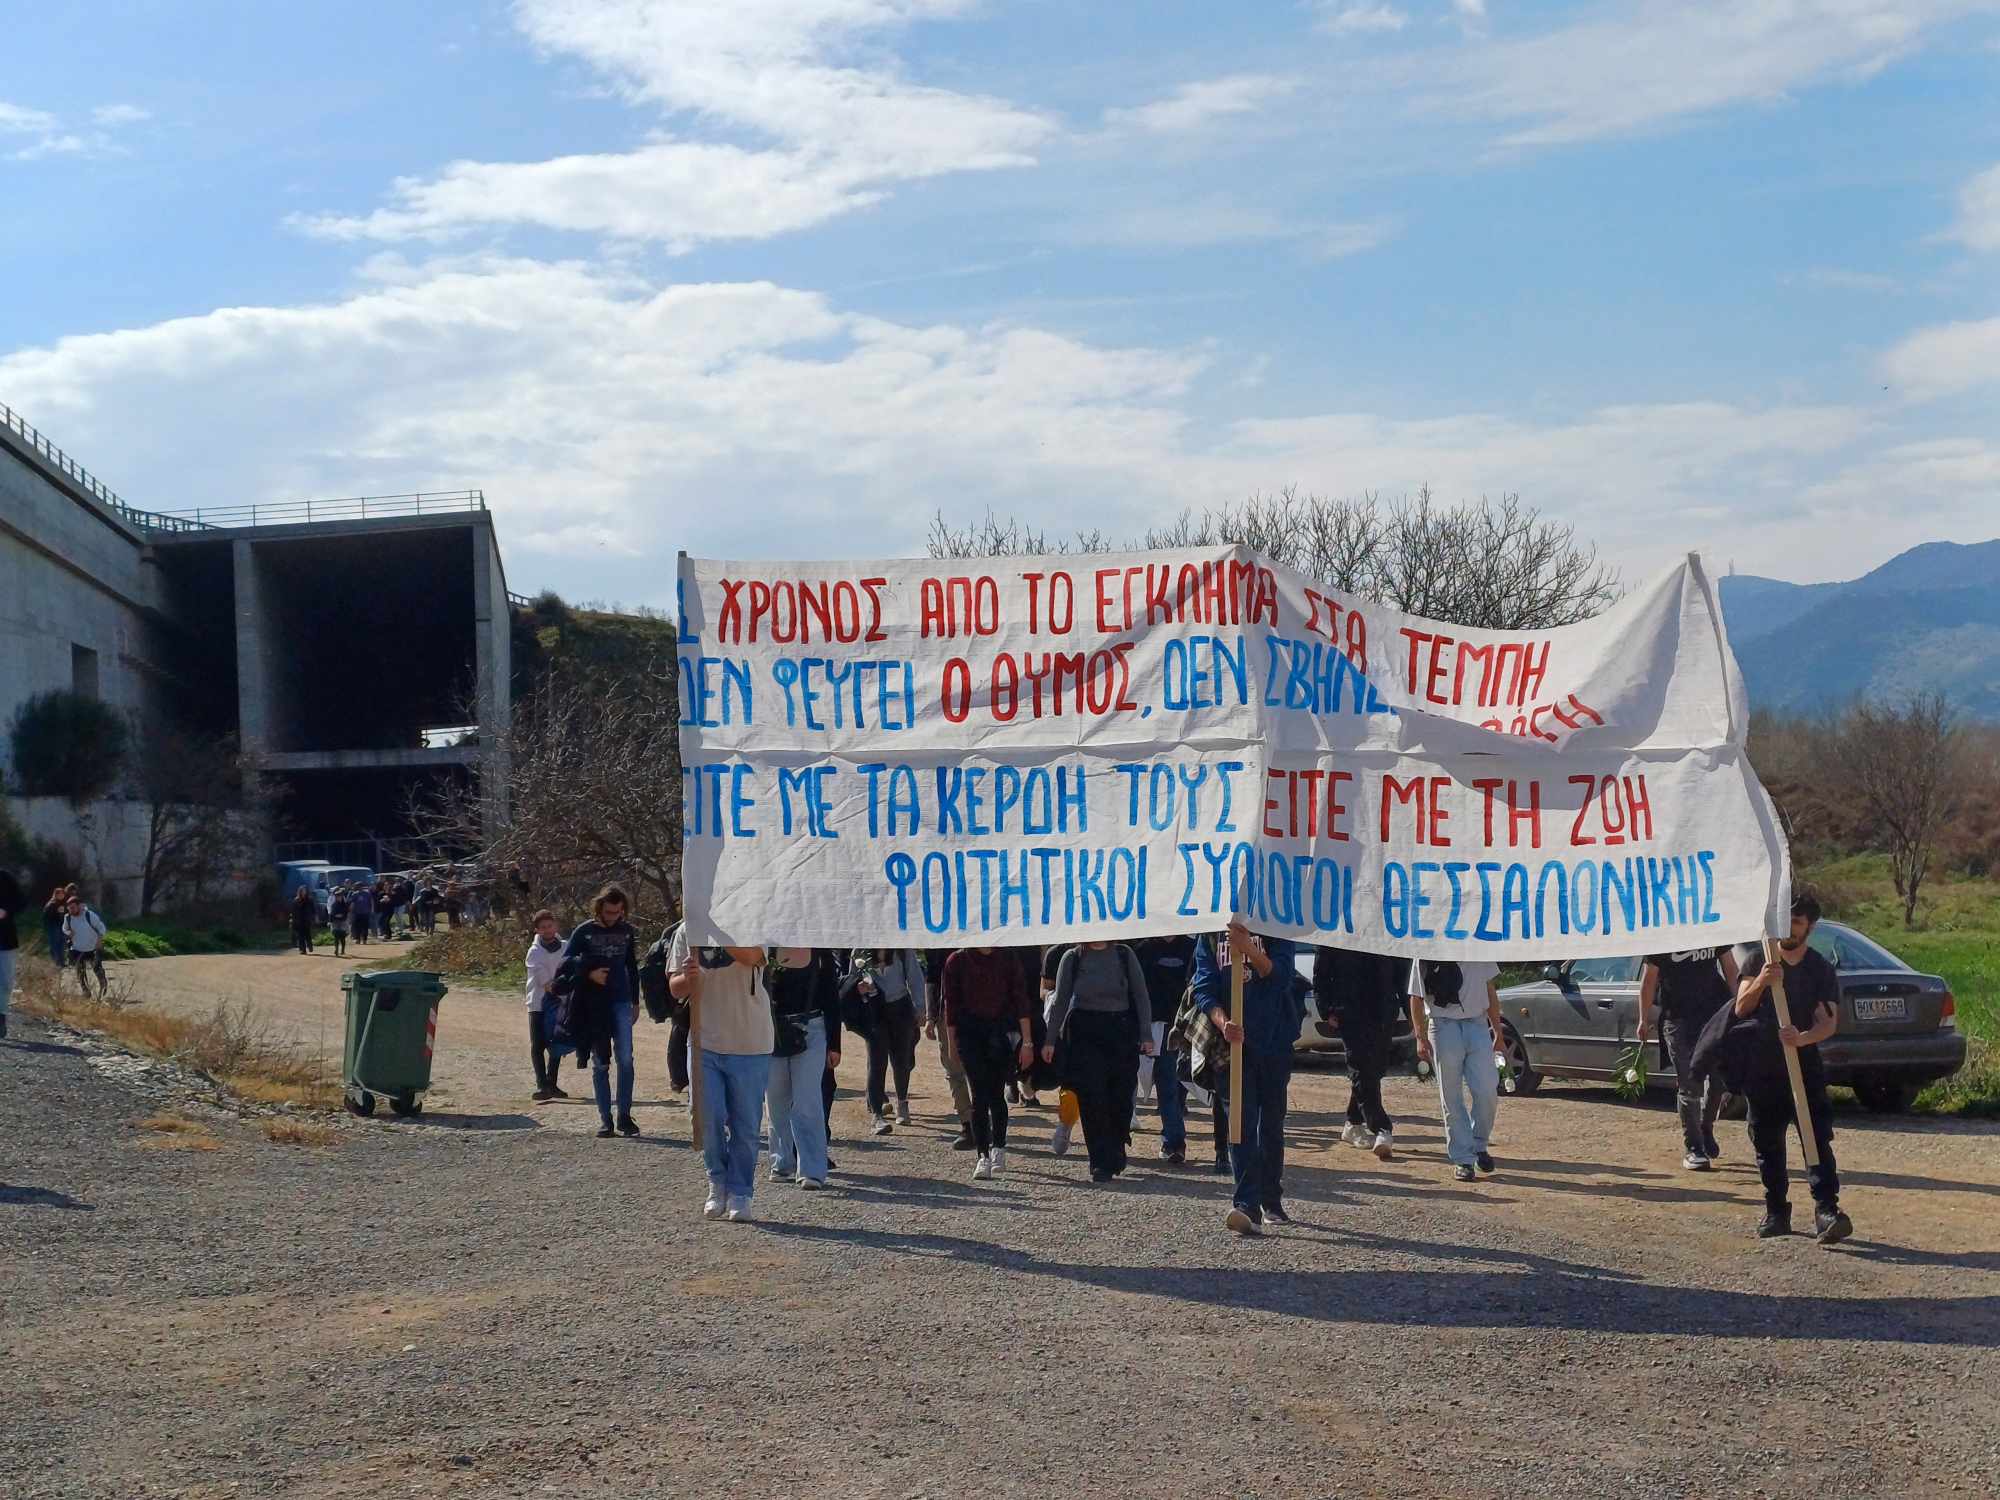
x=1897 y=1027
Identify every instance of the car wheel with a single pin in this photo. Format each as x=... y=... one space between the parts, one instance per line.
x=1526 y=1079
x=1884 y=1096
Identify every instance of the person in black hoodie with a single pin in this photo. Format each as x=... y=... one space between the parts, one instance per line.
x=305 y=912
x=804 y=986
x=1362 y=992
x=606 y=951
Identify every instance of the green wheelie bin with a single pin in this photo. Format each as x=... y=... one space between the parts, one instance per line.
x=391 y=1031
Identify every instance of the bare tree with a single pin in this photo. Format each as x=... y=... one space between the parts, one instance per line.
x=1909 y=767
x=594 y=788
x=202 y=812
x=1494 y=564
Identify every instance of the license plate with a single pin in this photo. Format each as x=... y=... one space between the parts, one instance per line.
x=1881 y=1008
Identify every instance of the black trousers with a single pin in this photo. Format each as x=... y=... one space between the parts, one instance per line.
x=339 y=940
x=302 y=934
x=1101 y=1063
x=1367 y=1042
x=678 y=1032
x=989 y=1063
x=540 y=1023
x=1771 y=1114
x=892 y=1046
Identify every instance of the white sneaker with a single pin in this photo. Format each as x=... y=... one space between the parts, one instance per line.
x=1385 y=1146
x=779 y=1174
x=982 y=1170
x=811 y=1184
x=739 y=1211
x=881 y=1127
x=1059 y=1142
x=712 y=1209
x=996 y=1159
x=902 y=1114
x=1354 y=1134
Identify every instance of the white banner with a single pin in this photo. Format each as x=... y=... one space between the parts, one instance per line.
x=1031 y=750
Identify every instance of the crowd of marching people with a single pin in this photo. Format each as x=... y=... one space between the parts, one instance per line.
x=1102 y=1025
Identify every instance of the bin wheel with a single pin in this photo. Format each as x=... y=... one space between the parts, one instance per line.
x=360 y=1102
x=406 y=1107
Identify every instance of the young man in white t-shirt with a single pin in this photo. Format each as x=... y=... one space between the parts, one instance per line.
x=1463 y=1042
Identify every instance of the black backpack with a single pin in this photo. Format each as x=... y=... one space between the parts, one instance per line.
x=653 y=982
x=1443 y=979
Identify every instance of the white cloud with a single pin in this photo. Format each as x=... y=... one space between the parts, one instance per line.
x=51 y=137
x=1195 y=105
x=1472 y=10
x=1350 y=20
x=1978 y=222
x=1642 y=64
x=597 y=407
x=1944 y=360
x=1336 y=240
x=833 y=136
x=63 y=144
x=112 y=115
x=18 y=119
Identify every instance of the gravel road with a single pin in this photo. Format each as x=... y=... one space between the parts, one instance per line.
x=490 y=1302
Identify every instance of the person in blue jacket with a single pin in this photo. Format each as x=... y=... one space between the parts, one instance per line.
x=1262 y=1047
x=607 y=953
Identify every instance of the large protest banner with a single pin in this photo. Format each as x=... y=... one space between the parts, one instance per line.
x=1027 y=750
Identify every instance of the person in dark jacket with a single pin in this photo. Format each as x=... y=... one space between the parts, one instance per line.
x=53 y=912
x=1104 y=1016
x=987 y=1005
x=1262 y=1047
x=1363 y=994
x=889 y=983
x=606 y=949
x=361 y=912
x=1687 y=988
x=337 y=908
x=305 y=912
x=1169 y=966
x=804 y=987
x=12 y=899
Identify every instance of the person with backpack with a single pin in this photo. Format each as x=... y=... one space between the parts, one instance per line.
x=804 y=986
x=545 y=956
x=337 y=907
x=988 y=1005
x=1362 y=992
x=888 y=984
x=1464 y=1042
x=11 y=901
x=361 y=912
x=53 y=912
x=605 y=950
x=1104 y=1016
x=83 y=936
x=1688 y=988
x=305 y=913
x=1261 y=1045
x=1169 y=966
x=735 y=1037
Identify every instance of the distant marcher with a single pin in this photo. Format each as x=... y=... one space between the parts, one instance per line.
x=1168 y=963
x=83 y=935
x=890 y=985
x=1688 y=988
x=305 y=914
x=361 y=912
x=1742 y=1046
x=1262 y=1047
x=385 y=910
x=1363 y=992
x=987 y=1005
x=53 y=912
x=735 y=1036
x=935 y=1030
x=1463 y=1041
x=1104 y=1017
x=545 y=956
x=804 y=988
x=607 y=954
x=402 y=896
x=337 y=907
x=429 y=899
x=454 y=904
x=12 y=899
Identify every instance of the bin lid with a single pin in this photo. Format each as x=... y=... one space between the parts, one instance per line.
x=395 y=979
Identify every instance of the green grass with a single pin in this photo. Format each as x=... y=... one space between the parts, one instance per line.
x=166 y=937
x=1957 y=936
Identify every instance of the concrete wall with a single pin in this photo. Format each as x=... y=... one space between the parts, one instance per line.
x=70 y=575
x=111 y=851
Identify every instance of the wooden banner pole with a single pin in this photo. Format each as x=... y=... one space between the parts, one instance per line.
x=1236 y=1049
x=1801 y=1114
x=700 y=1111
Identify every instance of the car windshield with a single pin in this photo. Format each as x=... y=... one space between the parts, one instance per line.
x=1848 y=950
x=1604 y=970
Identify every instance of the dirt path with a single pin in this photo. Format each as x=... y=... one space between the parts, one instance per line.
x=487 y=1302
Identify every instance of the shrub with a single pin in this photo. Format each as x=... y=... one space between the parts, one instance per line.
x=66 y=745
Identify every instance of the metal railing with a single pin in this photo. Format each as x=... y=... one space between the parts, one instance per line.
x=519 y=601
x=345 y=508
x=68 y=467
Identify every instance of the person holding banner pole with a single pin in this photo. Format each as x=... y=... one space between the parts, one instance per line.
x=1783 y=1079
x=731 y=1043
x=1260 y=1054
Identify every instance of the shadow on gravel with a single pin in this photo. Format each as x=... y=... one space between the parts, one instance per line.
x=1903 y=1255
x=1920 y=1184
x=34 y=1197
x=1516 y=1289
x=44 y=1048
x=447 y=1121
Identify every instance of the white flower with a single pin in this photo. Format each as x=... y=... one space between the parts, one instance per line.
x=1631 y=1075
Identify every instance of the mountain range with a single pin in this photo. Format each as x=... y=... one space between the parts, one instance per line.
x=1927 y=620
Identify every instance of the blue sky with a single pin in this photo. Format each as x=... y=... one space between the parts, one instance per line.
x=769 y=277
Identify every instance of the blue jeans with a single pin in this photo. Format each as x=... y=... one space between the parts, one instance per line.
x=733 y=1086
x=798 y=1124
x=600 y=1065
x=6 y=977
x=1463 y=1053
x=58 y=950
x=1259 y=1160
x=1168 y=1091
